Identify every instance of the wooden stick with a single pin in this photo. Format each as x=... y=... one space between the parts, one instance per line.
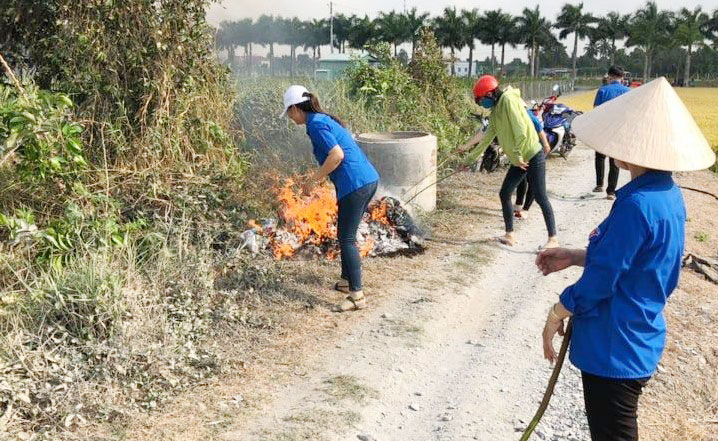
x=551 y=383
x=12 y=77
x=697 y=190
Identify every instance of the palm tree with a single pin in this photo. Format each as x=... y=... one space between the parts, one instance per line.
x=649 y=29
x=392 y=28
x=490 y=30
x=690 y=32
x=473 y=23
x=269 y=30
x=613 y=27
x=342 y=27
x=223 y=41
x=450 y=32
x=599 y=45
x=413 y=22
x=231 y=37
x=241 y=33
x=507 y=34
x=711 y=28
x=316 y=34
x=362 y=33
x=533 y=29
x=292 y=35
x=572 y=20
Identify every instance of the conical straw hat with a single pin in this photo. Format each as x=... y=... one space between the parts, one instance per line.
x=649 y=127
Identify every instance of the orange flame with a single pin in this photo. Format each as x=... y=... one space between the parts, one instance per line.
x=379 y=213
x=312 y=220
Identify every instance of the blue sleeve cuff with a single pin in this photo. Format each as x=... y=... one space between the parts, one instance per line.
x=566 y=299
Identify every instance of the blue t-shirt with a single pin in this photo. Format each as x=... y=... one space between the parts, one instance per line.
x=609 y=91
x=355 y=170
x=632 y=265
x=538 y=125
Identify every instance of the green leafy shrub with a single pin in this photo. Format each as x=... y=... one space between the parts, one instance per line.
x=38 y=128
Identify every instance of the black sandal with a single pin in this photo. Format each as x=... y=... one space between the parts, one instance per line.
x=341 y=287
x=350 y=304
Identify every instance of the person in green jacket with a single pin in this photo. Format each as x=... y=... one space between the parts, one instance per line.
x=510 y=123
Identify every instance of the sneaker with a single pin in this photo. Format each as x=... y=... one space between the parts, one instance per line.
x=611 y=196
x=598 y=189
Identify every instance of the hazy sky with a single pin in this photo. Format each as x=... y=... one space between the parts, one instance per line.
x=307 y=9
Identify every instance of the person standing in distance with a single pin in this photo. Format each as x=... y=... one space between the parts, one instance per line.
x=611 y=89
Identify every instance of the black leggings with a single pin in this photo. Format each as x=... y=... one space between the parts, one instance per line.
x=351 y=210
x=612 y=407
x=536 y=176
x=524 y=195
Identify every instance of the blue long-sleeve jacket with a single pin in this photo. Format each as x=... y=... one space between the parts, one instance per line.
x=608 y=92
x=632 y=265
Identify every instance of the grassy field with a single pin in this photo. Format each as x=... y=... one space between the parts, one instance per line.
x=700 y=101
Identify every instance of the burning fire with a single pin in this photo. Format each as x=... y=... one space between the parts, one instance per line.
x=310 y=220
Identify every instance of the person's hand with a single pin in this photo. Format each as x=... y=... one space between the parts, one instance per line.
x=552 y=260
x=553 y=326
x=308 y=187
x=546 y=149
x=523 y=165
x=462 y=149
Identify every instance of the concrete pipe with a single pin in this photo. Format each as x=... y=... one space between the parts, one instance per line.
x=406 y=162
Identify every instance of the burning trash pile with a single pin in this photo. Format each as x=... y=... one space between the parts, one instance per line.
x=306 y=228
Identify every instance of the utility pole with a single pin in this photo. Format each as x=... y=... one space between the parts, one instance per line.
x=331 y=26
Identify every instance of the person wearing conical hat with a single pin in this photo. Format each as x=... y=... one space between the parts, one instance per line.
x=633 y=259
x=612 y=88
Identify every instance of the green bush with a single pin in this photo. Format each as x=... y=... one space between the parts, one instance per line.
x=38 y=127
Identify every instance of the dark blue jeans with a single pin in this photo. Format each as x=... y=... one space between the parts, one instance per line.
x=351 y=209
x=536 y=177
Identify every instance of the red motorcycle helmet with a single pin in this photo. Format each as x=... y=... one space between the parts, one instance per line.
x=484 y=85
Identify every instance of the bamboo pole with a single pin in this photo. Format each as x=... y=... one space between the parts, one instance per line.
x=551 y=383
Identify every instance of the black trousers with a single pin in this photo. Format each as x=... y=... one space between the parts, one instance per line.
x=612 y=407
x=524 y=195
x=601 y=172
x=536 y=177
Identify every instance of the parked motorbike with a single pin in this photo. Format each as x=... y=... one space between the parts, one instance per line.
x=557 y=119
x=494 y=156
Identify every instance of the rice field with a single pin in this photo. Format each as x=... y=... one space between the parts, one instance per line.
x=702 y=103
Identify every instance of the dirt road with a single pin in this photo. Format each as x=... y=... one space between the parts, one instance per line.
x=458 y=356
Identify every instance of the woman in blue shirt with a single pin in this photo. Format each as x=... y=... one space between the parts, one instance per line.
x=633 y=259
x=354 y=178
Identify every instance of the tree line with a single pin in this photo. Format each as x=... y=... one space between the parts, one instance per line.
x=649 y=31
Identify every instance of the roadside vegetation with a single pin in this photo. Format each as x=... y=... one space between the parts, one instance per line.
x=131 y=160
x=125 y=165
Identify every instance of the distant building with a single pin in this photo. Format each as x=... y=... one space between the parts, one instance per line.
x=555 y=72
x=461 y=68
x=333 y=65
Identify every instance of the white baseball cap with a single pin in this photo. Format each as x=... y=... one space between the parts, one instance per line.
x=294 y=95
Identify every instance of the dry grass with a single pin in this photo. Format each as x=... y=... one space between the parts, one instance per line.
x=343 y=387
x=701 y=101
x=274 y=354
